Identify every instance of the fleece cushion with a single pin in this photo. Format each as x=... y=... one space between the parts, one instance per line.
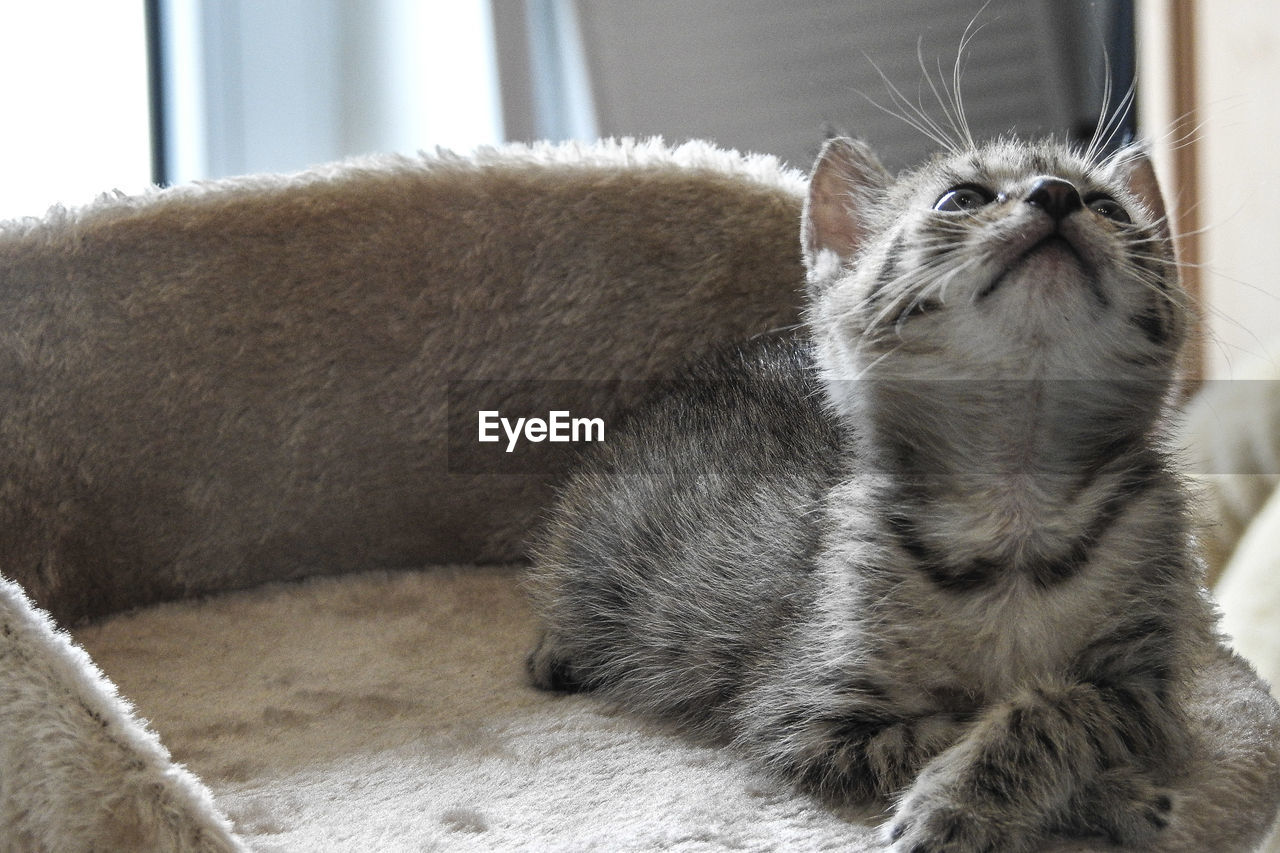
x=78 y=770
x=390 y=711
x=219 y=384
x=238 y=385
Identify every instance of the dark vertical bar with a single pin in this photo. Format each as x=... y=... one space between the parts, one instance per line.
x=511 y=39
x=156 y=93
x=1123 y=48
x=1184 y=25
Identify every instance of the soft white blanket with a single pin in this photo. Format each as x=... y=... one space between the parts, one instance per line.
x=390 y=712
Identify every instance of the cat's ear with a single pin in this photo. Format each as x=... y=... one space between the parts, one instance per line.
x=846 y=177
x=1132 y=168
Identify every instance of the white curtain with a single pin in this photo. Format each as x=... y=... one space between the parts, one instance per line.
x=278 y=85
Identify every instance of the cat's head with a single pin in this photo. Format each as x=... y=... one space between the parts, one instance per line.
x=1010 y=261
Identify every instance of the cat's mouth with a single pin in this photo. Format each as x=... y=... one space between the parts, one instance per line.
x=1055 y=241
x=1053 y=250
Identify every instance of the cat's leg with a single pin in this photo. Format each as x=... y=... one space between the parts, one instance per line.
x=1124 y=804
x=856 y=754
x=1042 y=761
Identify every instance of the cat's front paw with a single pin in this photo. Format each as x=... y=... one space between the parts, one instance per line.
x=943 y=827
x=940 y=814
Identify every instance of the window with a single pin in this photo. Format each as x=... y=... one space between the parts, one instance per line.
x=244 y=86
x=279 y=85
x=75 y=105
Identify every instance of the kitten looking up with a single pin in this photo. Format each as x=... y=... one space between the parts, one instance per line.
x=931 y=553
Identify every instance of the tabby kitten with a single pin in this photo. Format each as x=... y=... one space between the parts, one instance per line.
x=933 y=552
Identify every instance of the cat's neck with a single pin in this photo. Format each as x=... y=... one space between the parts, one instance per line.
x=1003 y=478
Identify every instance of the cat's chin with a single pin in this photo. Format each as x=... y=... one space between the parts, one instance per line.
x=1050 y=291
x=1045 y=261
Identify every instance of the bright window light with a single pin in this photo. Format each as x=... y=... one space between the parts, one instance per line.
x=75 y=102
x=258 y=86
x=450 y=88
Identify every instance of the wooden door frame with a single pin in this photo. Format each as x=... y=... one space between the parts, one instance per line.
x=1169 y=118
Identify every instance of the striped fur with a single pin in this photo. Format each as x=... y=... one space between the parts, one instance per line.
x=932 y=553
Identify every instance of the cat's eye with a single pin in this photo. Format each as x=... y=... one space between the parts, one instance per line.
x=964 y=198
x=1108 y=207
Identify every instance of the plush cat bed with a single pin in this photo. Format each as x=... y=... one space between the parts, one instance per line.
x=245 y=474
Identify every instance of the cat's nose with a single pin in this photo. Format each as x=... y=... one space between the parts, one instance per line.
x=1056 y=197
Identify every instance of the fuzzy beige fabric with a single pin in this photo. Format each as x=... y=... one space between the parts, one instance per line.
x=222 y=384
x=78 y=771
x=390 y=712
x=210 y=386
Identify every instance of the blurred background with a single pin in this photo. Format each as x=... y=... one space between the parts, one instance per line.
x=120 y=94
x=127 y=92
